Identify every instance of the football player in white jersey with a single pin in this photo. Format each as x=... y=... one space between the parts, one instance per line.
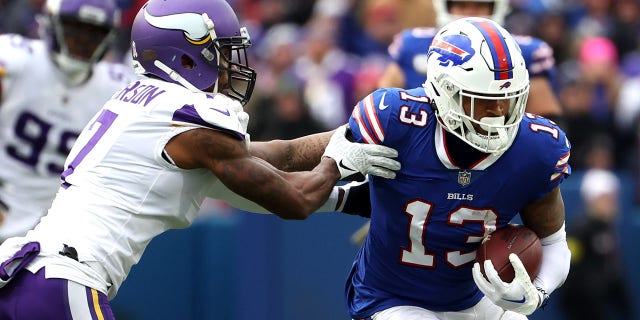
x=146 y=161
x=49 y=89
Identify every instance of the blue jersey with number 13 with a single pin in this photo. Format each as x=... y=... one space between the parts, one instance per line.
x=427 y=223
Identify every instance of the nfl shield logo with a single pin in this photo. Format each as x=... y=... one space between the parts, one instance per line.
x=464 y=178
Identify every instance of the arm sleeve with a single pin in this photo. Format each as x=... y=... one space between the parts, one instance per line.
x=556 y=260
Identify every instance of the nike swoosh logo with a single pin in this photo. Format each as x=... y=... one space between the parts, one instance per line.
x=516 y=301
x=381 y=105
x=225 y=112
x=342 y=165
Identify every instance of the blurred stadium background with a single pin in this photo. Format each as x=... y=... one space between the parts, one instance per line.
x=314 y=59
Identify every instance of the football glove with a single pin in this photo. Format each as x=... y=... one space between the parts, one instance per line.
x=353 y=158
x=519 y=296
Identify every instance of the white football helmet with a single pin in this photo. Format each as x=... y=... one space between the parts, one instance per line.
x=500 y=10
x=475 y=58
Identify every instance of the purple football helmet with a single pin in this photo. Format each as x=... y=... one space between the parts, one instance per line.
x=79 y=32
x=195 y=43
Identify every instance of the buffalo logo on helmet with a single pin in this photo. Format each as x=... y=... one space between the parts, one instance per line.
x=505 y=85
x=454 y=50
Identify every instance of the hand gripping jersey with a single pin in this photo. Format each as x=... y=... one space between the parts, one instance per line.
x=118 y=190
x=409 y=51
x=427 y=223
x=40 y=118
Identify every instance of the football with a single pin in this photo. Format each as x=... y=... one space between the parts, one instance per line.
x=516 y=239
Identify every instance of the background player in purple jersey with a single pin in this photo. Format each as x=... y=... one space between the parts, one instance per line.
x=158 y=147
x=408 y=53
x=472 y=160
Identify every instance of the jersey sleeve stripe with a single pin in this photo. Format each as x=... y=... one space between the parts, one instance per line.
x=557 y=175
x=372 y=117
x=562 y=164
x=563 y=160
x=366 y=135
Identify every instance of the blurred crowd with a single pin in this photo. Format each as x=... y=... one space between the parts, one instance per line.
x=315 y=59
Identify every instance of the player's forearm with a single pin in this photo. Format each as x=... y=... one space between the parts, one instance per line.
x=299 y=154
x=309 y=193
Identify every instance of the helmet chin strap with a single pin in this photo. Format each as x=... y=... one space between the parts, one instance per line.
x=212 y=32
x=175 y=76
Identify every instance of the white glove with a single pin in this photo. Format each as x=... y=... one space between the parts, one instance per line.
x=352 y=157
x=520 y=295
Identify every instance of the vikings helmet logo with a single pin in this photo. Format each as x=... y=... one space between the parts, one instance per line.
x=454 y=50
x=191 y=24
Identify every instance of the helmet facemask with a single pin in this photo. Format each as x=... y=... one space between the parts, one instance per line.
x=486 y=134
x=232 y=54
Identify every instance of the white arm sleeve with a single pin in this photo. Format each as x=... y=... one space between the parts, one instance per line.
x=556 y=260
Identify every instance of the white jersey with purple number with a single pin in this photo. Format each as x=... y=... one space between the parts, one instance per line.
x=119 y=191
x=40 y=118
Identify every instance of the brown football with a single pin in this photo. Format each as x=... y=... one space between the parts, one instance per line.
x=516 y=239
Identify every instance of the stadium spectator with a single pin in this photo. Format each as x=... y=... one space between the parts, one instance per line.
x=596 y=287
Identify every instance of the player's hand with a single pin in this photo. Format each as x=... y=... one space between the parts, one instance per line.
x=520 y=295
x=355 y=200
x=352 y=157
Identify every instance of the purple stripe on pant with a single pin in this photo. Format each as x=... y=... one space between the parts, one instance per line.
x=32 y=297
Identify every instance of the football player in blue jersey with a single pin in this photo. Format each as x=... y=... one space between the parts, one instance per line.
x=408 y=55
x=472 y=160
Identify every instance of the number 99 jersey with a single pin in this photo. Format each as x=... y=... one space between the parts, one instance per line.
x=428 y=222
x=40 y=118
